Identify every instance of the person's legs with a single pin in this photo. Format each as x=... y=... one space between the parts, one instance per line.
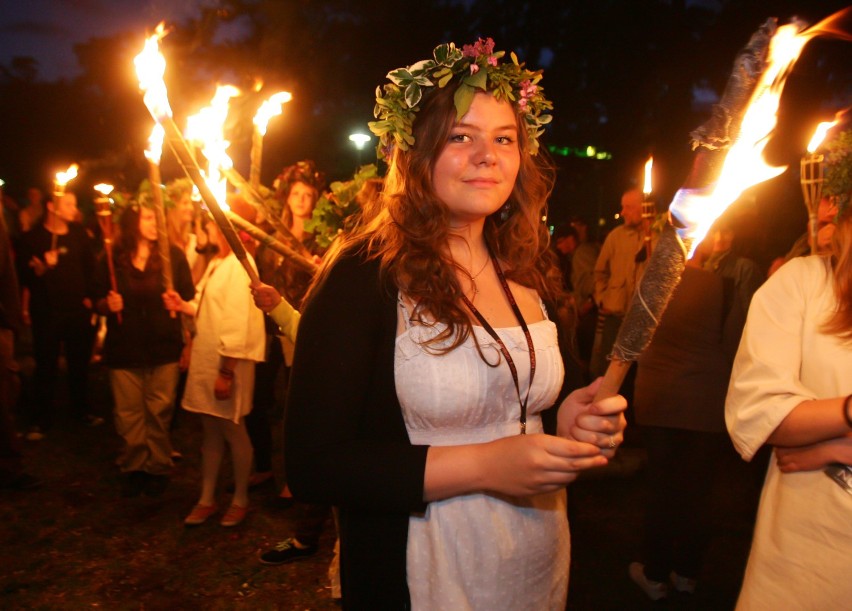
x=10 y=452
x=159 y=399
x=46 y=342
x=605 y=334
x=78 y=334
x=129 y=417
x=258 y=421
x=212 y=452
x=663 y=501
x=241 y=457
x=701 y=454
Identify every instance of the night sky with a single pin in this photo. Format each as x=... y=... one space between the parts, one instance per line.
x=48 y=29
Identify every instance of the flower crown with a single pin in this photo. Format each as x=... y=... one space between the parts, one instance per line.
x=480 y=69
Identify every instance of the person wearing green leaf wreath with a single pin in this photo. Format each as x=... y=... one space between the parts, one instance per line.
x=426 y=357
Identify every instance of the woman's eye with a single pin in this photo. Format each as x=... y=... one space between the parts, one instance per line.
x=505 y=139
x=459 y=138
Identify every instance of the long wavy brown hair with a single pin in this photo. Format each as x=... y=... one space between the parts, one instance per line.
x=840 y=323
x=128 y=240
x=410 y=232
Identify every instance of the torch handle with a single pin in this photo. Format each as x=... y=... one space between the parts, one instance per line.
x=181 y=150
x=111 y=266
x=256 y=156
x=613 y=378
x=104 y=215
x=162 y=232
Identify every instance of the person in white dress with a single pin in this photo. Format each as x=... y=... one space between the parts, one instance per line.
x=230 y=338
x=426 y=357
x=790 y=388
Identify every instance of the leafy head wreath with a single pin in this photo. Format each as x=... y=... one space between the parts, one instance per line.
x=838 y=169
x=477 y=67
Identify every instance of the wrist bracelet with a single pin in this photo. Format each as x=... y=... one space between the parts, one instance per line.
x=846 y=414
x=226 y=373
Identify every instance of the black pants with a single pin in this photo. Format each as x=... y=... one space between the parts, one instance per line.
x=682 y=469
x=52 y=333
x=263 y=403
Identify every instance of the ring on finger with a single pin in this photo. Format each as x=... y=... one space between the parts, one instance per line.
x=612 y=443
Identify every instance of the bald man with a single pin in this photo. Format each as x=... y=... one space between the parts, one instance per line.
x=617 y=272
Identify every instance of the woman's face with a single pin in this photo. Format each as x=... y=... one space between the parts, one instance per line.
x=301 y=200
x=185 y=209
x=147 y=224
x=475 y=173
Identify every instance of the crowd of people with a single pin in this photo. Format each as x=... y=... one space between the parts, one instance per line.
x=465 y=345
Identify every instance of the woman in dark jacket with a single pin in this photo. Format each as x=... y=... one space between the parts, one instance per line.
x=142 y=349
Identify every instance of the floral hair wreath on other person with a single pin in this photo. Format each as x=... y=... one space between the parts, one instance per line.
x=302 y=171
x=479 y=68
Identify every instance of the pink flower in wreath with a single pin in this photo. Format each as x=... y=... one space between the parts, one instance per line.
x=474 y=68
x=482 y=47
x=528 y=90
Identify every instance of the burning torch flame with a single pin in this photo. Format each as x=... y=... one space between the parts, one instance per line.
x=744 y=165
x=150 y=68
x=208 y=128
x=270 y=108
x=819 y=135
x=647 y=189
x=63 y=178
x=104 y=189
x=154 y=152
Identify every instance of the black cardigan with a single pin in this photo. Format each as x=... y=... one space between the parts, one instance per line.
x=345 y=439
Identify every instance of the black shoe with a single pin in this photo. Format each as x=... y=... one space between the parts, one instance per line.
x=286 y=551
x=155 y=485
x=132 y=483
x=22 y=481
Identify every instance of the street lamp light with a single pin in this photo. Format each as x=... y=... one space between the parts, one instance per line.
x=360 y=140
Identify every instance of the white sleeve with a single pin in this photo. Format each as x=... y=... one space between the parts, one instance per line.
x=765 y=382
x=241 y=330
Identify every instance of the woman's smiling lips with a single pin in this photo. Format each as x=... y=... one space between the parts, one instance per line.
x=482 y=183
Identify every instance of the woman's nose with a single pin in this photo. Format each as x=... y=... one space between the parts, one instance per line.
x=484 y=153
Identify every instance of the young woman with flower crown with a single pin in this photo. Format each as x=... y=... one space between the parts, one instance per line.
x=426 y=356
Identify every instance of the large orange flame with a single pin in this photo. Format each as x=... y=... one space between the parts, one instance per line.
x=207 y=128
x=744 y=165
x=150 y=69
